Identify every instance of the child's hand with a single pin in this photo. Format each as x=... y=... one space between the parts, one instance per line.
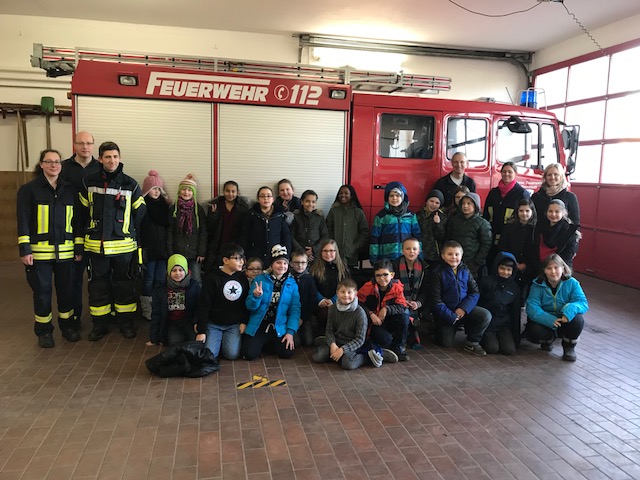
x=382 y=314
x=242 y=327
x=337 y=354
x=201 y=337
x=325 y=303
x=412 y=305
x=288 y=341
x=257 y=292
x=214 y=207
x=199 y=259
x=436 y=217
x=375 y=319
x=522 y=266
x=333 y=347
x=308 y=251
x=460 y=313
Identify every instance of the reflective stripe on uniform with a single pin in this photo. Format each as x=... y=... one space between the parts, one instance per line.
x=23 y=239
x=100 y=311
x=69 y=218
x=110 y=247
x=43 y=219
x=46 y=319
x=65 y=315
x=110 y=191
x=83 y=201
x=130 y=307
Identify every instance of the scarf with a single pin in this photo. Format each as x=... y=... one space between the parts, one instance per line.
x=410 y=278
x=553 y=191
x=186 y=212
x=506 y=187
x=400 y=210
x=184 y=283
x=349 y=307
x=553 y=235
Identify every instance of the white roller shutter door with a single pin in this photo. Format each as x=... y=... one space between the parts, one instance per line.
x=260 y=145
x=174 y=138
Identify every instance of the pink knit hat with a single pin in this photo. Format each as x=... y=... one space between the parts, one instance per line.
x=153 y=180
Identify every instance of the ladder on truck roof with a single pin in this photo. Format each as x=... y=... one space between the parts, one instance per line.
x=57 y=61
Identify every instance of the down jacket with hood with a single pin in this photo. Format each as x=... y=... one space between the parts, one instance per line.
x=260 y=233
x=189 y=359
x=544 y=307
x=473 y=233
x=391 y=226
x=451 y=290
x=501 y=296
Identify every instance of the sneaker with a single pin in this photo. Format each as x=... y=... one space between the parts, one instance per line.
x=474 y=348
x=128 y=331
x=375 y=358
x=389 y=356
x=70 y=335
x=97 y=334
x=46 y=340
x=320 y=340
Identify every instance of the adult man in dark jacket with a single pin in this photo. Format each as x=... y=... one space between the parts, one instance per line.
x=74 y=169
x=110 y=212
x=448 y=183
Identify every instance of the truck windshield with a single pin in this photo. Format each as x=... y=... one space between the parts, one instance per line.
x=531 y=150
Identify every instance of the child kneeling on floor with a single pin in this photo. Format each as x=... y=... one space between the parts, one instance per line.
x=454 y=299
x=346 y=331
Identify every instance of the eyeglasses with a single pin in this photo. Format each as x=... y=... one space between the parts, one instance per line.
x=239 y=258
x=255 y=269
x=299 y=263
x=265 y=196
x=382 y=275
x=84 y=144
x=52 y=162
x=329 y=251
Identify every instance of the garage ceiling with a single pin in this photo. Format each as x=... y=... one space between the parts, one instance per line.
x=436 y=22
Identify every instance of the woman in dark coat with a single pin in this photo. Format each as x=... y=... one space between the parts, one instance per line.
x=501 y=203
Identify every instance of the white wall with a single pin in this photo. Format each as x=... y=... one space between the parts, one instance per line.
x=607 y=36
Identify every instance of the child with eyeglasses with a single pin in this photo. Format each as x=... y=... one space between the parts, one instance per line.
x=308 y=297
x=253 y=268
x=264 y=226
x=222 y=314
x=386 y=307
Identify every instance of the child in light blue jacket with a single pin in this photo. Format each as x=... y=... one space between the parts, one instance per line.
x=555 y=306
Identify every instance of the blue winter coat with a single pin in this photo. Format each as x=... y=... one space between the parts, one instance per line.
x=390 y=229
x=544 y=307
x=288 y=310
x=451 y=290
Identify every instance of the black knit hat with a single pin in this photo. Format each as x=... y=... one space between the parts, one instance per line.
x=437 y=194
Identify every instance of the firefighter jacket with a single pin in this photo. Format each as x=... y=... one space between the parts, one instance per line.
x=110 y=213
x=45 y=220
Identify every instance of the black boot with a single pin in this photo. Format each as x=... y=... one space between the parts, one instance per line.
x=569 y=347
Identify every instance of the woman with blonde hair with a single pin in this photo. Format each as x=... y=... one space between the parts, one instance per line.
x=555 y=187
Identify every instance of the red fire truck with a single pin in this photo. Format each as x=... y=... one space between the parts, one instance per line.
x=257 y=123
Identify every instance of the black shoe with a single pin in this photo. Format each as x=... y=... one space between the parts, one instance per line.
x=46 y=340
x=569 y=352
x=71 y=335
x=97 y=334
x=401 y=353
x=128 y=332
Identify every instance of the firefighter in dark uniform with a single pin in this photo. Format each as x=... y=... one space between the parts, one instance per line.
x=74 y=169
x=46 y=242
x=110 y=212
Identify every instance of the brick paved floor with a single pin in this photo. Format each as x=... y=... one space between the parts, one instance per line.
x=92 y=411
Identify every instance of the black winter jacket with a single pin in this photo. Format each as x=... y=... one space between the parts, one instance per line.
x=45 y=220
x=260 y=233
x=309 y=230
x=189 y=359
x=111 y=209
x=541 y=200
x=160 y=309
x=214 y=223
x=501 y=296
x=433 y=234
x=498 y=210
x=74 y=173
x=153 y=231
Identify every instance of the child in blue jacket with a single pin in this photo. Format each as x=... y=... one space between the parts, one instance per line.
x=392 y=225
x=555 y=306
x=274 y=310
x=454 y=300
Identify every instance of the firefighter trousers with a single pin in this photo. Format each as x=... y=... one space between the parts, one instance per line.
x=41 y=277
x=111 y=286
